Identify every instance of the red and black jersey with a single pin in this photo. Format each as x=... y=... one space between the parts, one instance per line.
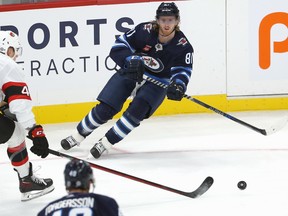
x=15 y=92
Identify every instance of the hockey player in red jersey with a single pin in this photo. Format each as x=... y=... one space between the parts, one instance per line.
x=17 y=120
x=157 y=49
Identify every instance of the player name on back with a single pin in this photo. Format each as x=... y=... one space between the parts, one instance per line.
x=71 y=203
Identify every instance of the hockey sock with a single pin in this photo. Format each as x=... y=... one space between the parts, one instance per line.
x=99 y=115
x=17 y=151
x=131 y=118
x=19 y=159
x=122 y=128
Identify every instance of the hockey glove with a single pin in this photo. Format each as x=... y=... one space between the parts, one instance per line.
x=176 y=90
x=40 y=142
x=133 y=68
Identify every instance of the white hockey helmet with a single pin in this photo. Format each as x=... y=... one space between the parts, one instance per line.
x=10 y=39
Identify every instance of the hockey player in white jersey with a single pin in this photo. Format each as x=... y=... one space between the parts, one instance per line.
x=17 y=120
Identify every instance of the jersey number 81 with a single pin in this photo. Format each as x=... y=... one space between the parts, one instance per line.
x=189 y=58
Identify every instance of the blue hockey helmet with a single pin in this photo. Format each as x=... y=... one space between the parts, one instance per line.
x=78 y=175
x=167 y=9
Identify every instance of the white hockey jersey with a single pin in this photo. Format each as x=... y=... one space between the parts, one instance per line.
x=15 y=91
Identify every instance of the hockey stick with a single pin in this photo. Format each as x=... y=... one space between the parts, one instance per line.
x=278 y=126
x=206 y=184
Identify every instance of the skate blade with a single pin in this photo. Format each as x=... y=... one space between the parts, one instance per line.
x=91 y=157
x=34 y=194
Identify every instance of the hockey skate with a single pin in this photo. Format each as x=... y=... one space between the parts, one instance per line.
x=71 y=141
x=103 y=145
x=32 y=187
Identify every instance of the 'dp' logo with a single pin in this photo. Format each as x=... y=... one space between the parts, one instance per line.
x=265 y=38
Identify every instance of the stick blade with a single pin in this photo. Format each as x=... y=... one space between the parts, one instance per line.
x=206 y=184
x=277 y=126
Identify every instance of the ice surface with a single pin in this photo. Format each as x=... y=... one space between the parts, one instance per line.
x=178 y=152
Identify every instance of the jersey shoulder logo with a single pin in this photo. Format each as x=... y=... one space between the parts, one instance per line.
x=183 y=41
x=148 y=27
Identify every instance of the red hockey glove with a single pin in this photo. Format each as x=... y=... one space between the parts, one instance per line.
x=40 y=143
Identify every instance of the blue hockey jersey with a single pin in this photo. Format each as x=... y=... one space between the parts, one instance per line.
x=169 y=61
x=82 y=204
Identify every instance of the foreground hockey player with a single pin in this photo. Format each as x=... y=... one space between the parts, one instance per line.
x=79 y=177
x=159 y=50
x=17 y=120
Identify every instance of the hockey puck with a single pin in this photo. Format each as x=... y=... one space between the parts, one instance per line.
x=242 y=185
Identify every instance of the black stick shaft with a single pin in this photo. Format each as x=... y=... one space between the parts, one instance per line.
x=60 y=154
x=259 y=130
x=226 y=115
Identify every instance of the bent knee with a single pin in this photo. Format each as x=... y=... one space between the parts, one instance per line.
x=139 y=109
x=17 y=138
x=104 y=112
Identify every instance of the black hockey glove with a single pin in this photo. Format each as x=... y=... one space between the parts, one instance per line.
x=40 y=143
x=176 y=90
x=133 y=68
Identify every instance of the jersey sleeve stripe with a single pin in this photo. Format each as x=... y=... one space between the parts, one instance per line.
x=17 y=97
x=9 y=84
